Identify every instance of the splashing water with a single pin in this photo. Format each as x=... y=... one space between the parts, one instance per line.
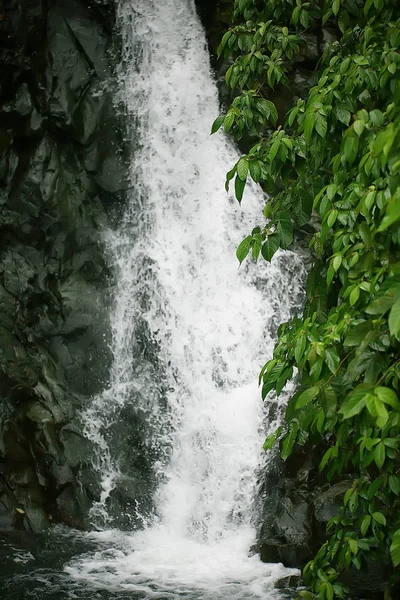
x=212 y=325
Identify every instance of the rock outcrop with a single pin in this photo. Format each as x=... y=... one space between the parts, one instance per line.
x=63 y=172
x=295 y=508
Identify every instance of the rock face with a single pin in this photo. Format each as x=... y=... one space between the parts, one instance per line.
x=62 y=170
x=295 y=509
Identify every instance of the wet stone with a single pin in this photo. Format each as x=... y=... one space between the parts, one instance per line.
x=39 y=413
x=328 y=503
x=291 y=581
x=292 y=523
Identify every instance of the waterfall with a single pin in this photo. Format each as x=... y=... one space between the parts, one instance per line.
x=210 y=323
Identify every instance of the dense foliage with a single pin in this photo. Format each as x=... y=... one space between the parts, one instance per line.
x=333 y=159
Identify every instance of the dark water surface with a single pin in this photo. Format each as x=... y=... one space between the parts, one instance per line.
x=32 y=568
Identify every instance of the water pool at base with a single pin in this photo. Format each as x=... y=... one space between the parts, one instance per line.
x=46 y=567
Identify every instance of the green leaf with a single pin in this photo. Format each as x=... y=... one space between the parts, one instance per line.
x=394 y=320
x=267 y=109
x=271 y=439
x=244 y=248
x=309 y=126
x=289 y=440
x=266 y=388
x=224 y=40
x=239 y=188
x=387 y=396
x=358 y=127
x=371 y=406
x=366 y=522
x=270 y=246
x=332 y=359
x=392 y=215
x=357 y=334
x=321 y=125
x=330 y=274
x=274 y=150
x=329 y=400
x=382 y=415
x=292 y=115
x=337 y=261
x=335 y=7
x=329 y=591
x=306 y=595
x=257 y=243
x=374 y=487
x=392 y=443
x=242 y=168
x=367 y=6
x=299 y=348
x=394 y=484
x=331 y=220
x=356 y=367
x=281 y=382
x=380 y=305
x=255 y=170
x=353 y=404
x=377 y=118
x=325 y=459
x=307 y=396
x=347 y=496
x=353 y=546
x=351 y=143
x=217 y=123
x=395 y=548
x=343 y=115
x=379 y=518
x=284 y=229
x=230 y=175
x=379 y=454
x=361 y=61
x=354 y=296
x=229 y=120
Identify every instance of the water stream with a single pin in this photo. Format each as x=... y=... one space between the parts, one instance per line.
x=213 y=325
x=210 y=323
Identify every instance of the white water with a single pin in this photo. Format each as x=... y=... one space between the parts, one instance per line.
x=175 y=260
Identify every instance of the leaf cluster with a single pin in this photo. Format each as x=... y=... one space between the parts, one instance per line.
x=335 y=159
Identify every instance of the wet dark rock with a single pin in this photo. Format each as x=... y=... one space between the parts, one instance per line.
x=75 y=446
x=216 y=18
x=72 y=507
x=276 y=550
x=6 y=521
x=57 y=107
x=292 y=523
x=295 y=508
x=327 y=503
x=290 y=581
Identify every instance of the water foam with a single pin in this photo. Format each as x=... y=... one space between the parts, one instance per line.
x=213 y=324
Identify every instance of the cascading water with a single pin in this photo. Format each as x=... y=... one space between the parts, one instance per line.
x=211 y=323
